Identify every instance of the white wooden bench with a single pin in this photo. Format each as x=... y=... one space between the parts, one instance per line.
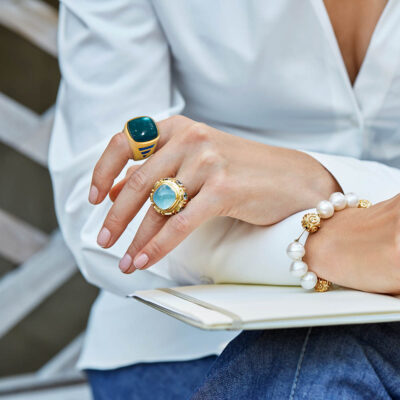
x=45 y=262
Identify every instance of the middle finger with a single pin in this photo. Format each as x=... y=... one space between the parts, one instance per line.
x=164 y=163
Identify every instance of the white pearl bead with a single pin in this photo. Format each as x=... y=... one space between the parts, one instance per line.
x=298 y=268
x=352 y=199
x=309 y=280
x=325 y=209
x=338 y=201
x=295 y=251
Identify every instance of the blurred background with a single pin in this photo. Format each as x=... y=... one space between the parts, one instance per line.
x=44 y=301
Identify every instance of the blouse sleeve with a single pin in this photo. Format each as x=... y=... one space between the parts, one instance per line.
x=371 y=180
x=115 y=64
x=225 y=250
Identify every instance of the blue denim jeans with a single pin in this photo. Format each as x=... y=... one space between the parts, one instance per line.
x=153 y=381
x=339 y=362
x=326 y=363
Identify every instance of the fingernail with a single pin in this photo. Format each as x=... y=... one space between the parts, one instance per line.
x=141 y=261
x=93 y=194
x=104 y=237
x=125 y=262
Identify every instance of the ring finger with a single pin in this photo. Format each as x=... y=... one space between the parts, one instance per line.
x=175 y=230
x=153 y=222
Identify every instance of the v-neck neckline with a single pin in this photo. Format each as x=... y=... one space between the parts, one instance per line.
x=328 y=27
x=369 y=45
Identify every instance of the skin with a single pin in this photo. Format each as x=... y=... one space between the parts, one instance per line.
x=219 y=181
x=354 y=22
x=258 y=184
x=359 y=248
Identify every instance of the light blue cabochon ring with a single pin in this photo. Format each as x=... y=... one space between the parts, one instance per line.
x=168 y=196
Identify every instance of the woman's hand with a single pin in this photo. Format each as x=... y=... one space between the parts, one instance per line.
x=359 y=248
x=225 y=175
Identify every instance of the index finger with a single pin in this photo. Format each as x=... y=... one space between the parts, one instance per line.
x=109 y=166
x=118 y=152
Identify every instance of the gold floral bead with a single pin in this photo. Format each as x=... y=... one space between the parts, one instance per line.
x=364 y=204
x=322 y=285
x=311 y=222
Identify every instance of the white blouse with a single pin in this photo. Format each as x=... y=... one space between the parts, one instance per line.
x=268 y=71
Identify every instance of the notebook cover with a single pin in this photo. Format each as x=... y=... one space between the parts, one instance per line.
x=237 y=307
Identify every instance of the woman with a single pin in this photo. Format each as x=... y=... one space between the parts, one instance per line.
x=280 y=102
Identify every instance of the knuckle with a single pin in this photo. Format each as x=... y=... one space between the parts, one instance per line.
x=180 y=223
x=219 y=184
x=153 y=217
x=154 y=249
x=137 y=181
x=113 y=221
x=118 y=140
x=134 y=248
x=197 y=132
x=178 y=119
x=209 y=158
x=99 y=173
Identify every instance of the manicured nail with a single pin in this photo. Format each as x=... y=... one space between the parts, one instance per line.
x=125 y=262
x=104 y=237
x=93 y=194
x=141 y=261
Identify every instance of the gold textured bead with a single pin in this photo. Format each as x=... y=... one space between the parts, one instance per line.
x=364 y=204
x=311 y=222
x=322 y=285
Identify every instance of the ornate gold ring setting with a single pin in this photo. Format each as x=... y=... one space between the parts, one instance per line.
x=168 y=196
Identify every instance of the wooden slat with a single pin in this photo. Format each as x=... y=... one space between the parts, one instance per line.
x=64 y=361
x=20 y=240
x=33 y=19
x=38 y=143
x=27 y=286
x=25 y=130
x=76 y=392
x=68 y=386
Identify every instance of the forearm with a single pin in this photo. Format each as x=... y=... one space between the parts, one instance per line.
x=225 y=250
x=305 y=181
x=228 y=250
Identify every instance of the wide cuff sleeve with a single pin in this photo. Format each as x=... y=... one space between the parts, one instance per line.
x=369 y=179
x=115 y=64
x=225 y=250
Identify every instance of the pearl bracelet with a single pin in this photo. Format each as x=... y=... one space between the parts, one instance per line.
x=311 y=222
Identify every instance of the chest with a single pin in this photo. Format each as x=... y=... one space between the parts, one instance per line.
x=276 y=69
x=354 y=22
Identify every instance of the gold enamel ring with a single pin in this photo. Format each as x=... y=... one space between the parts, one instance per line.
x=168 y=196
x=142 y=135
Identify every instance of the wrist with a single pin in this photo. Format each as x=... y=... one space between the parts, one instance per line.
x=318 y=183
x=358 y=248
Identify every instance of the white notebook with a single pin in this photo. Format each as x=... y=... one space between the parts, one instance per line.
x=237 y=307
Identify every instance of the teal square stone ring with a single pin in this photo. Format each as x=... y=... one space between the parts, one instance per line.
x=142 y=135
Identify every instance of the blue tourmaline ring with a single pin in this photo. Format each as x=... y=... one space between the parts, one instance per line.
x=168 y=196
x=142 y=135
